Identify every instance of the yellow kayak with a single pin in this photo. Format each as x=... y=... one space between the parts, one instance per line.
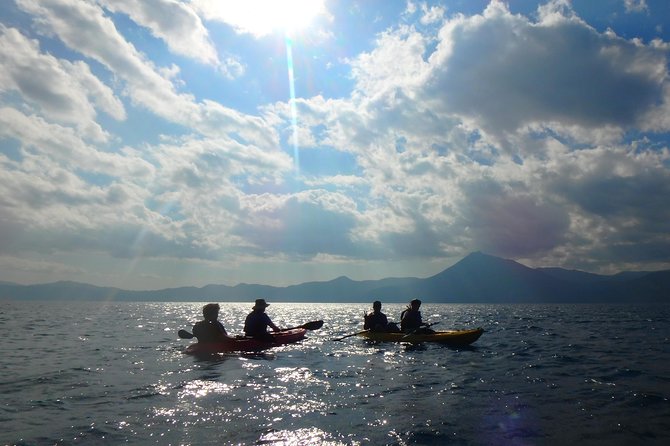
x=457 y=338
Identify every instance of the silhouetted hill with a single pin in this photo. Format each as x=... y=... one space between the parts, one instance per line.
x=476 y=278
x=572 y=275
x=480 y=275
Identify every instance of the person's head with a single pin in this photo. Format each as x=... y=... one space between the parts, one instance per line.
x=260 y=305
x=376 y=305
x=415 y=304
x=210 y=312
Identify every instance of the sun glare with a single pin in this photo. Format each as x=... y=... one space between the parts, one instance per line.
x=293 y=15
x=262 y=17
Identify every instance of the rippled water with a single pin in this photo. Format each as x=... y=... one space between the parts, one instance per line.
x=89 y=373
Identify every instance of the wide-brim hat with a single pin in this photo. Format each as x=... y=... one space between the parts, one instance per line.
x=260 y=303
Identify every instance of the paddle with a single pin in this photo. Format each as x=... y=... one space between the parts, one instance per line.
x=419 y=328
x=350 y=335
x=313 y=325
x=185 y=334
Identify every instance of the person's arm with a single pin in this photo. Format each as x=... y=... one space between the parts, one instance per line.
x=366 y=322
x=270 y=323
x=196 y=330
x=222 y=329
x=247 y=325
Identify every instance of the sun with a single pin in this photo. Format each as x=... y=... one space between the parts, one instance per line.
x=263 y=17
x=290 y=15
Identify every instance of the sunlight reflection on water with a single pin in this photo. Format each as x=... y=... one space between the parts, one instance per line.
x=116 y=373
x=199 y=388
x=301 y=437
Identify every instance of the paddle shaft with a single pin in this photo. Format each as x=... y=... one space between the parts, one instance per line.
x=355 y=334
x=419 y=328
x=350 y=335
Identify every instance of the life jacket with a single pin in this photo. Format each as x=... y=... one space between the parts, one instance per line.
x=410 y=319
x=376 y=321
x=209 y=331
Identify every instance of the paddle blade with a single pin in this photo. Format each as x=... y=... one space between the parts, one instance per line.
x=314 y=325
x=185 y=334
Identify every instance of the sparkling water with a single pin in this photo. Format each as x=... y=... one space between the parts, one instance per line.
x=109 y=373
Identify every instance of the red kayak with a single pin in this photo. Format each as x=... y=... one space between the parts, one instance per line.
x=245 y=344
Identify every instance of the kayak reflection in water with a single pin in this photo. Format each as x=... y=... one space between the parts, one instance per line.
x=410 y=319
x=257 y=322
x=377 y=321
x=210 y=330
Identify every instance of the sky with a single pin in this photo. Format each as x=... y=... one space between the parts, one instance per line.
x=149 y=144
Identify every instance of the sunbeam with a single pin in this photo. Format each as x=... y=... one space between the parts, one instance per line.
x=294 y=112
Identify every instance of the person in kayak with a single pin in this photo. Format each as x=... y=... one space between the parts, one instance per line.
x=410 y=319
x=257 y=322
x=375 y=321
x=210 y=330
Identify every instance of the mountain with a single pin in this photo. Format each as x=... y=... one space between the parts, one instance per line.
x=476 y=278
x=574 y=275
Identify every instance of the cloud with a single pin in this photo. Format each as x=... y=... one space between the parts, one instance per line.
x=636 y=6
x=572 y=75
x=173 y=22
x=620 y=191
x=41 y=141
x=395 y=63
x=429 y=14
x=26 y=268
x=164 y=201
x=496 y=133
x=84 y=28
x=301 y=225
x=554 y=94
x=63 y=91
x=179 y=27
x=509 y=222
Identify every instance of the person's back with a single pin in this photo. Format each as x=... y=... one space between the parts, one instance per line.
x=257 y=322
x=210 y=329
x=410 y=318
x=375 y=321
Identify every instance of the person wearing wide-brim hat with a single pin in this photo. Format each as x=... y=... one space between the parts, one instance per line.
x=257 y=322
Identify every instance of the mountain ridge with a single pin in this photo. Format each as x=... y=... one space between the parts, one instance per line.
x=477 y=278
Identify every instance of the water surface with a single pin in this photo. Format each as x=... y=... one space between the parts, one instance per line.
x=91 y=373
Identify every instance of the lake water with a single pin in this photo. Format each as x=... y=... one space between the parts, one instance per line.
x=109 y=373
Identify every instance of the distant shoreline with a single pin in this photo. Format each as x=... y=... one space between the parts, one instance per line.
x=478 y=278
